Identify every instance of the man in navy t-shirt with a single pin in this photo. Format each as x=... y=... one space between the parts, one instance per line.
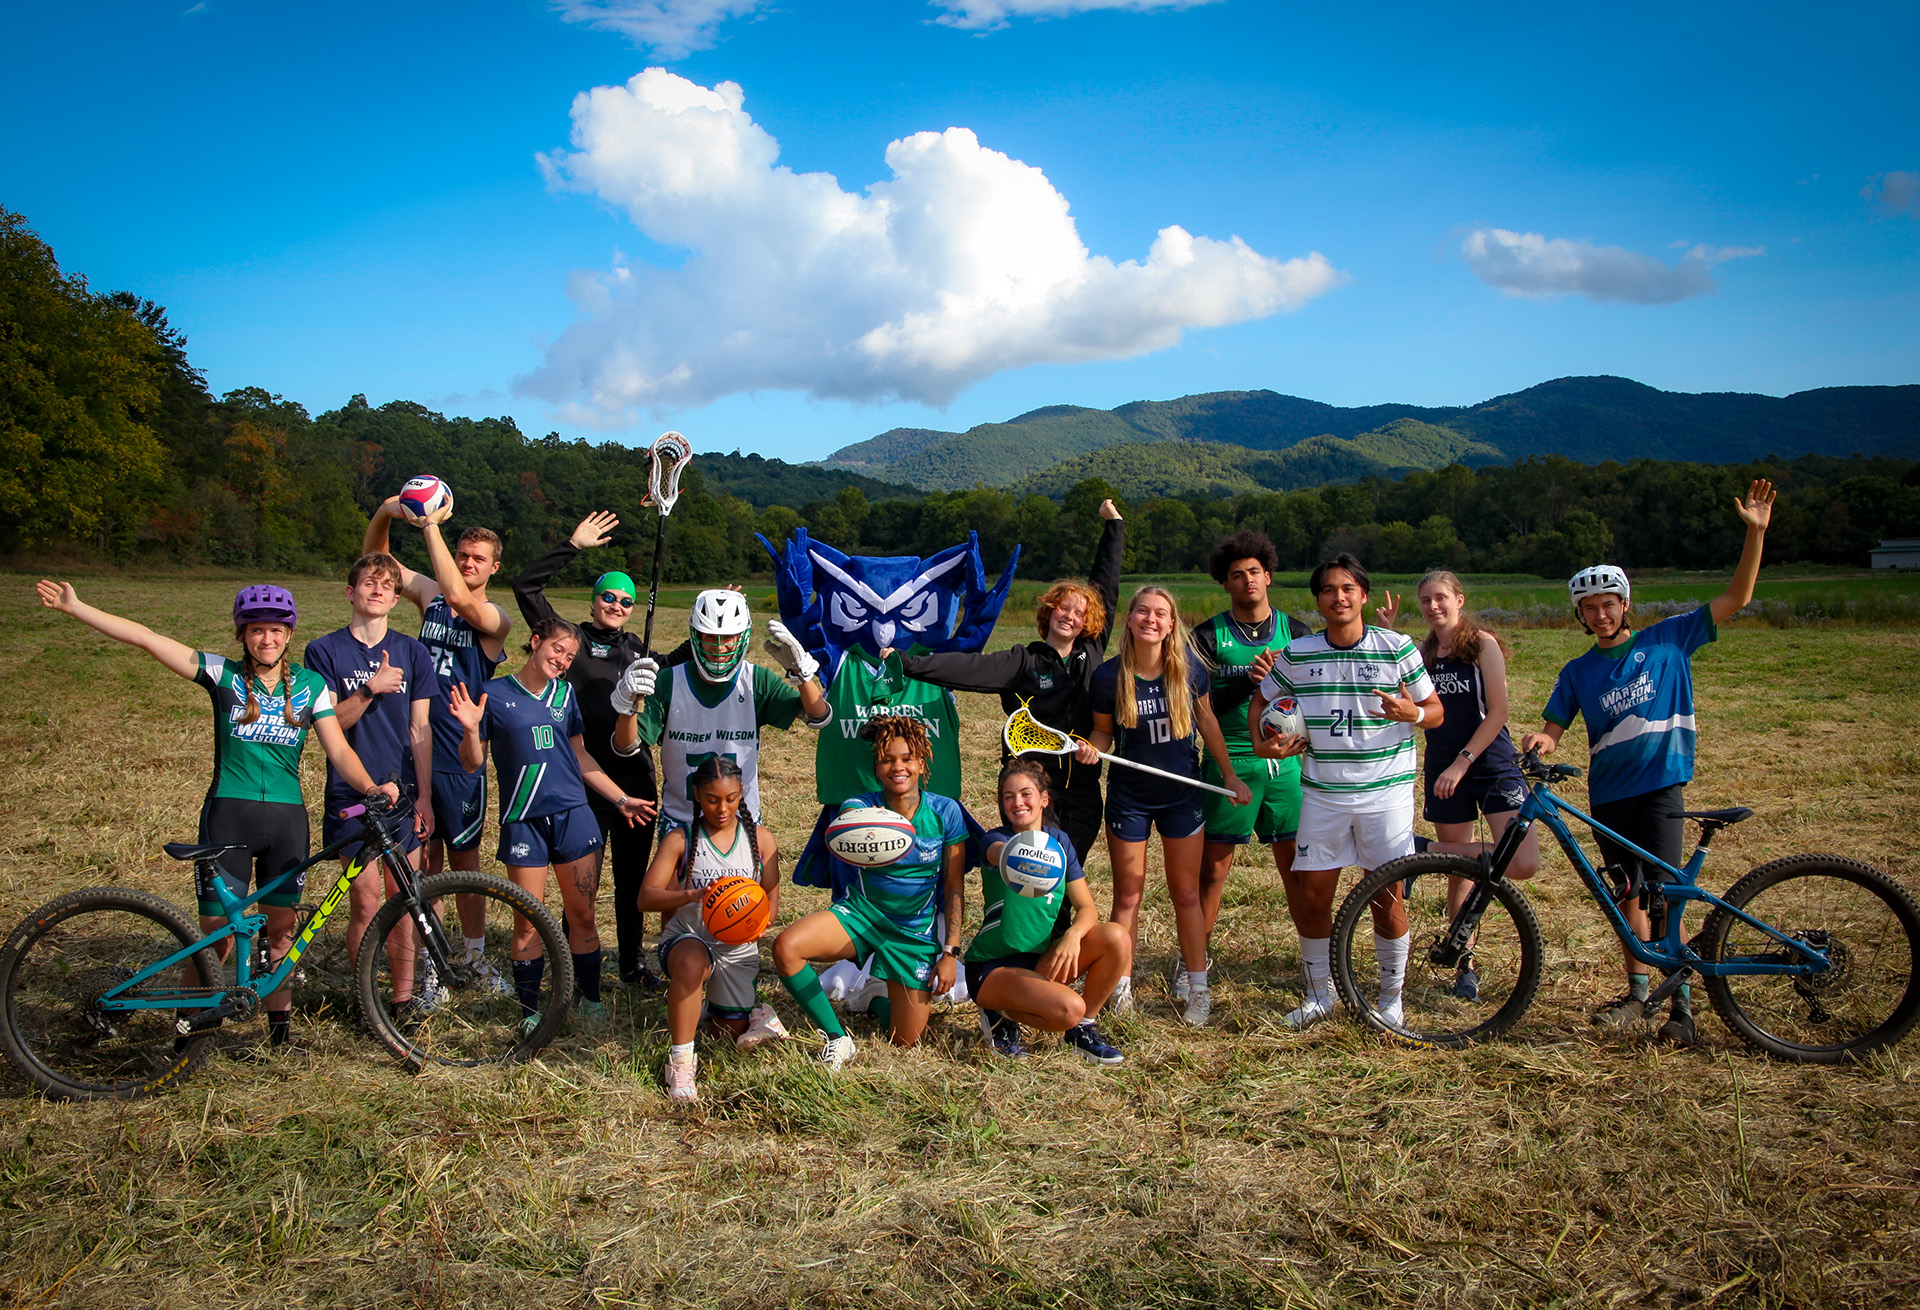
x=1635 y=692
x=383 y=685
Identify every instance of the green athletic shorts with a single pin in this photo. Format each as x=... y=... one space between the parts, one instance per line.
x=1274 y=813
x=898 y=955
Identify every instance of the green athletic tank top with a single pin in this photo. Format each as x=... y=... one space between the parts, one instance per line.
x=1229 y=650
x=862 y=689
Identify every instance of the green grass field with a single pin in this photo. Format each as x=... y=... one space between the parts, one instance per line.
x=1238 y=1165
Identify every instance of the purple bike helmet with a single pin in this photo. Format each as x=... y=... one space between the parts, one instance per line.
x=265 y=604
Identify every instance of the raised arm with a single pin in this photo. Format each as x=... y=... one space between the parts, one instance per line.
x=1756 y=511
x=415 y=586
x=486 y=618
x=1104 y=575
x=176 y=657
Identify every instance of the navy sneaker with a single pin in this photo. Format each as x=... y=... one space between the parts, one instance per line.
x=1086 y=1039
x=1466 y=984
x=1002 y=1033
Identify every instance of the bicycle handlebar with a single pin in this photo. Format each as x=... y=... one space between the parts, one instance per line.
x=1531 y=767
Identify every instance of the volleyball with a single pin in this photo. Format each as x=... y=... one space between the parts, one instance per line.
x=1032 y=863
x=736 y=910
x=423 y=496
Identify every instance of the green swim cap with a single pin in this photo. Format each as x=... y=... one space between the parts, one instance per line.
x=614 y=581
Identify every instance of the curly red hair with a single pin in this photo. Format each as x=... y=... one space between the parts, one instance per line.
x=1051 y=599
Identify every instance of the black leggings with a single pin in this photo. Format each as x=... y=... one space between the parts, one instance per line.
x=628 y=849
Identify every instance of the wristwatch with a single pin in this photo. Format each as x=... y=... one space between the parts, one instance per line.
x=367 y=691
x=1466 y=755
x=954 y=951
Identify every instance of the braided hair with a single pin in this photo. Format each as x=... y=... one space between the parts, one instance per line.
x=718 y=768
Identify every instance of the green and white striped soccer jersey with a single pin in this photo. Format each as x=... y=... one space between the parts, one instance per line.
x=1357 y=758
x=532 y=735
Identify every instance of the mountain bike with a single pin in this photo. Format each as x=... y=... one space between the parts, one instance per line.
x=114 y=993
x=1811 y=958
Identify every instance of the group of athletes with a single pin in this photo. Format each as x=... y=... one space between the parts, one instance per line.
x=571 y=733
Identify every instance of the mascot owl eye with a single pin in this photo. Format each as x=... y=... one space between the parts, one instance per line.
x=847 y=613
x=919 y=612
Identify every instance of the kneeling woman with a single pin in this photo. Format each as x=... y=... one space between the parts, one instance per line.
x=893 y=912
x=533 y=720
x=722 y=842
x=1021 y=964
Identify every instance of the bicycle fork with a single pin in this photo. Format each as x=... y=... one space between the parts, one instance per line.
x=1456 y=948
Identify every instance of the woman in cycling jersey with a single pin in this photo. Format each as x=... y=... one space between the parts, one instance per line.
x=263 y=707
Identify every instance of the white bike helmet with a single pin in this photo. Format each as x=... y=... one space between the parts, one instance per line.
x=1597 y=580
x=720 y=613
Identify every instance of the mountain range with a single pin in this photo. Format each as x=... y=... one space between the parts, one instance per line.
x=1226 y=442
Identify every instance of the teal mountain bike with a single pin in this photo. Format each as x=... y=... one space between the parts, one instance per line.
x=114 y=993
x=1812 y=958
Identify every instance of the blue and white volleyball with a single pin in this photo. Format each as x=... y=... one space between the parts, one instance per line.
x=1032 y=863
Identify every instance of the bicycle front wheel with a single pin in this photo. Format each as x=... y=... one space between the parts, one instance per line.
x=53 y=969
x=1442 y=1004
x=472 y=1014
x=1864 y=922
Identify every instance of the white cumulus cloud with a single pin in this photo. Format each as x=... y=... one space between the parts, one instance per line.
x=672 y=29
x=964 y=263
x=986 y=15
x=1531 y=265
x=1897 y=192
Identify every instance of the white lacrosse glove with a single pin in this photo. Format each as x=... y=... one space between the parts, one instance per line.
x=636 y=684
x=793 y=657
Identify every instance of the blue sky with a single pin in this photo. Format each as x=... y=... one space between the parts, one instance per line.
x=1389 y=203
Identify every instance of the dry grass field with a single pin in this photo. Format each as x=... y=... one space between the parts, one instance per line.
x=1239 y=1165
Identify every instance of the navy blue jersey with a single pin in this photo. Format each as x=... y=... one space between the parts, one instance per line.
x=1464 y=698
x=383 y=736
x=1150 y=741
x=457 y=658
x=532 y=738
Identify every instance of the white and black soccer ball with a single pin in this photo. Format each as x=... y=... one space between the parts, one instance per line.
x=1282 y=718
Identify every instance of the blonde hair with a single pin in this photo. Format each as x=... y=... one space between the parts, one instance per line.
x=1054 y=596
x=1468 y=637
x=1174 y=670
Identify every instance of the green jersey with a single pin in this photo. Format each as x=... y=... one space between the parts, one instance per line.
x=1228 y=648
x=863 y=689
x=260 y=761
x=1016 y=923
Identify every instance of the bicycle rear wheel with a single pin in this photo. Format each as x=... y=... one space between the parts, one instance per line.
x=54 y=967
x=1866 y=924
x=1437 y=1008
x=471 y=1015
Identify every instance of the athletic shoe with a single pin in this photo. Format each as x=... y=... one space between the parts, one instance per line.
x=1466 y=984
x=1121 y=1002
x=408 y=1015
x=835 y=1052
x=1620 y=1012
x=1181 y=983
x=1199 y=1007
x=642 y=980
x=528 y=1022
x=1087 y=1040
x=680 y=1070
x=1311 y=1011
x=861 y=1001
x=589 y=1014
x=1003 y=1034
x=427 y=989
x=483 y=975
x=1391 y=1010
x=1678 y=1030
x=763 y=1026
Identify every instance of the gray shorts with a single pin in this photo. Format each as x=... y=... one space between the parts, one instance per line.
x=730 y=991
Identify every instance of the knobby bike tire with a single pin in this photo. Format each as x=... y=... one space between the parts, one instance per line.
x=57 y=962
x=1506 y=955
x=474 y=1016
x=1867 y=924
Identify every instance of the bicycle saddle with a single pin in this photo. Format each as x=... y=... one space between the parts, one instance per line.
x=1720 y=818
x=180 y=850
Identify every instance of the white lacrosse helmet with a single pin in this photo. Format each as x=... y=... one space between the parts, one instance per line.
x=720 y=613
x=1598 y=580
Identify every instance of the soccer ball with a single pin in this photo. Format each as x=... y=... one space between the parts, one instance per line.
x=1032 y=863
x=870 y=836
x=1283 y=718
x=423 y=496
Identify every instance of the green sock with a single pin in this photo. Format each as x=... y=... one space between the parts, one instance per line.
x=881 y=1011
x=1637 y=986
x=804 y=987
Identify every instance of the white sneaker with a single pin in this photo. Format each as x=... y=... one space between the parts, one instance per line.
x=763 y=1026
x=1121 y=1002
x=1391 y=1010
x=680 y=1070
x=485 y=976
x=1180 y=984
x=1199 y=1008
x=860 y=1001
x=427 y=991
x=1311 y=1011
x=836 y=1052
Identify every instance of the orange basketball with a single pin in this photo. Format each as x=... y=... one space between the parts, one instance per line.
x=736 y=910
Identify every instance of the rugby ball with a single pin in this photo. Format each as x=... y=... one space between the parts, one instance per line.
x=1283 y=718
x=735 y=910
x=1032 y=863
x=424 y=495
x=871 y=836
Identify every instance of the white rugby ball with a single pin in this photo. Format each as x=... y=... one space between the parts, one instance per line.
x=1282 y=718
x=1032 y=863
x=870 y=837
x=423 y=496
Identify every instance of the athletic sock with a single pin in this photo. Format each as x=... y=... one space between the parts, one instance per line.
x=1391 y=955
x=880 y=1010
x=279 y=1027
x=1637 y=986
x=679 y=1050
x=1084 y=1023
x=804 y=987
x=476 y=945
x=1197 y=979
x=526 y=981
x=1316 y=961
x=586 y=974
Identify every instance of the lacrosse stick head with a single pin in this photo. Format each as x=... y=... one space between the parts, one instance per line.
x=1025 y=734
x=671 y=455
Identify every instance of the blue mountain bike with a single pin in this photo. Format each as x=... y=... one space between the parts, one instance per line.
x=1812 y=958
x=114 y=993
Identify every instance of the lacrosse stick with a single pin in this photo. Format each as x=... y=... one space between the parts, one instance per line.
x=671 y=454
x=1025 y=735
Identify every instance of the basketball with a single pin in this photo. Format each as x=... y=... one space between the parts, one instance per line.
x=424 y=495
x=870 y=837
x=1283 y=719
x=736 y=910
x=1032 y=863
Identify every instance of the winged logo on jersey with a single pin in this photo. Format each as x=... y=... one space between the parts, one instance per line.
x=834 y=602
